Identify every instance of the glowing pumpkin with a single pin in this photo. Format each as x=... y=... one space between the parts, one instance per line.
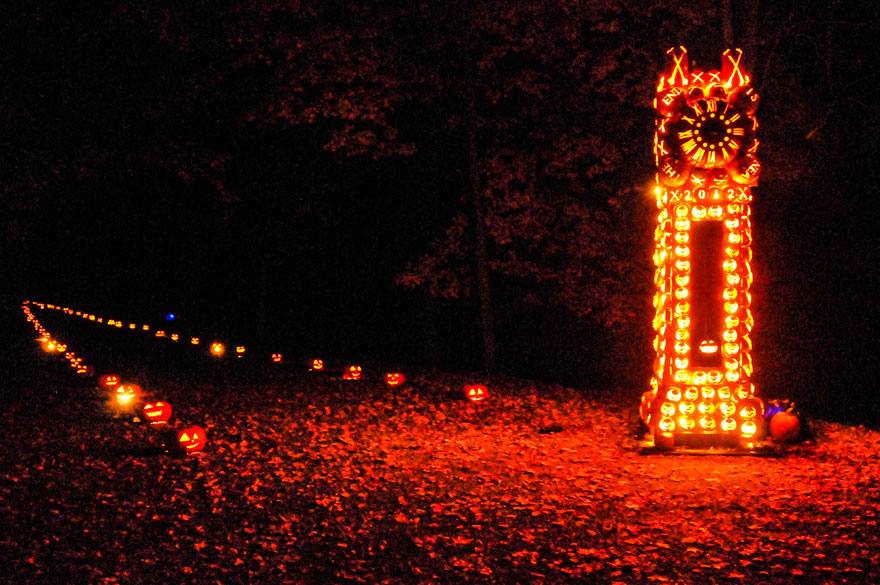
x=109 y=381
x=217 y=349
x=192 y=439
x=127 y=396
x=394 y=378
x=475 y=392
x=317 y=365
x=276 y=357
x=240 y=351
x=157 y=413
x=352 y=373
x=785 y=427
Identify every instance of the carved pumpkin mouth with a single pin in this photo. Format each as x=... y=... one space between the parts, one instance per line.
x=708 y=346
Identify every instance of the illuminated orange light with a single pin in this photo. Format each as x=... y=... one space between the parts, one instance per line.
x=157 y=413
x=394 y=378
x=109 y=381
x=317 y=365
x=126 y=394
x=708 y=347
x=276 y=357
x=352 y=373
x=217 y=349
x=192 y=439
x=476 y=392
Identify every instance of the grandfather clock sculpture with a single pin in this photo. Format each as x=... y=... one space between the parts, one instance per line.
x=701 y=391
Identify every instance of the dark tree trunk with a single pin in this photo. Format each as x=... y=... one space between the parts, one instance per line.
x=487 y=322
x=727 y=23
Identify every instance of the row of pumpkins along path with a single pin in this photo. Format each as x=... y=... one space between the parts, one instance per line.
x=129 y=403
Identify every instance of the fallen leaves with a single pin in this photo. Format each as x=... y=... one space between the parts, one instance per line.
x=311 y=481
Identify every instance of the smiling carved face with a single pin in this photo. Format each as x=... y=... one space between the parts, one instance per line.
x=475 y=392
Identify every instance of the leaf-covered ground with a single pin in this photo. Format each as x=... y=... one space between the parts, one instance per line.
x=312 y=480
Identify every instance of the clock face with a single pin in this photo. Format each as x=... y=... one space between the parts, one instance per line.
x=711 y=132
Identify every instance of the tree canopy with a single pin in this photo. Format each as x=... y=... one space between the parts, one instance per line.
x=288 y=122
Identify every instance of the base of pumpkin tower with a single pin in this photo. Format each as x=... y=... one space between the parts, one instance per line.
x=703 y=444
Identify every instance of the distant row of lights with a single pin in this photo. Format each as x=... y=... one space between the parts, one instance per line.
x=352 y=372
x=217 y=349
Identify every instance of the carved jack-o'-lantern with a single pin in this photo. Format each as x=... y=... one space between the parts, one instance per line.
x=217 y=349
x=352 y=373
x=109 y=381
x=475 y=392
x=192 y=439
x=394 y=378
x=317 y=364
x=127 y=394
x=240 y=350
x=157 y=413
x=276 y=357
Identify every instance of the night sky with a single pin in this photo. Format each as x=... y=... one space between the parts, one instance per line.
x=160 y=157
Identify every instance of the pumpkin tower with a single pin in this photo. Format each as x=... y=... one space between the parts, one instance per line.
x=704 y=146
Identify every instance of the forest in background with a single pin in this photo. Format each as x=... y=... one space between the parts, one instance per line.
x=465 y=184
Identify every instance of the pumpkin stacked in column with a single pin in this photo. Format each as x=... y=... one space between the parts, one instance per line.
x=704 y=144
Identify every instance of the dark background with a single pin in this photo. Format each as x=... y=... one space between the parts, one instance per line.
x=139 y=178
